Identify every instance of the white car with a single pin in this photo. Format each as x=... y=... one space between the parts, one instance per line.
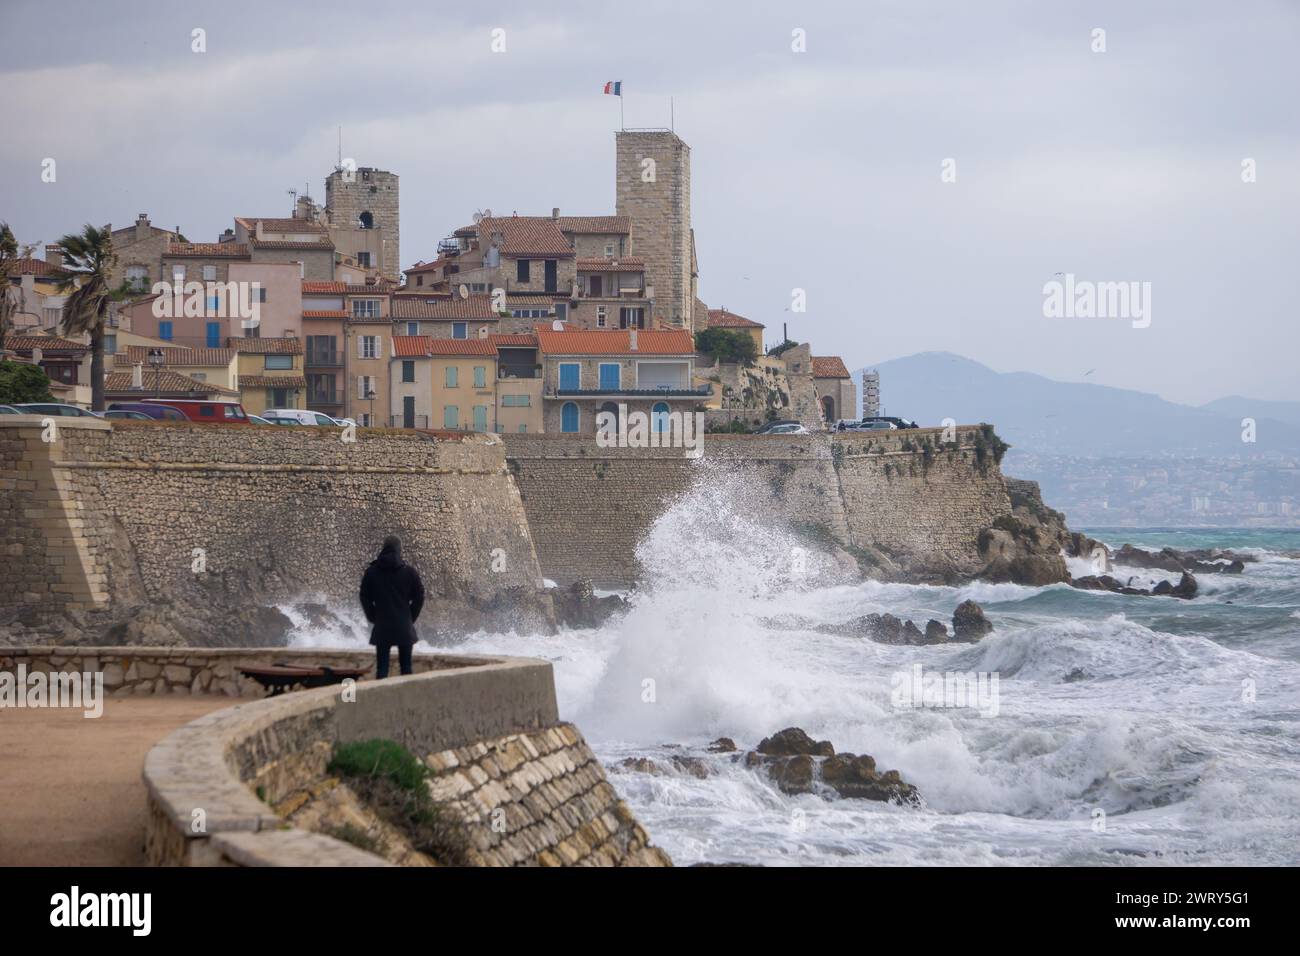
x=300 y=416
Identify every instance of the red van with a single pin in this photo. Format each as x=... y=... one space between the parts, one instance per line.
x=210 y=413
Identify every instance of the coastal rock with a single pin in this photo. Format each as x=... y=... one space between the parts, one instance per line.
x=723 y=745
x=797 y=764
x=1170 y=559
x=1025 y=546
x=935 y=632
x=694 y=766
x=1186 y=587
x=969 y=622
x=577 y=605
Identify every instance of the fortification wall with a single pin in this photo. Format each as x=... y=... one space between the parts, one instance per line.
x=910 y=495
x=137 y=511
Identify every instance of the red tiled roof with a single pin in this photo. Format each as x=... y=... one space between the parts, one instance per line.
x=325 y=243
x=722 y=319
x=272 y=381
x=280 y=226
x=287 y=345
x=513 y=340
x=27 y=266
x=162 y=380
x=829 y=366
x=426 y=346
x=612 y=264
x=611 y=225
x=433 y=266
x=213 y=250
x=325 y=313
x=615 y=342
x=314 y=287
x=323 y=288
x=527 y=237
x=454 y=307
x=46 y=343
x=176 y=355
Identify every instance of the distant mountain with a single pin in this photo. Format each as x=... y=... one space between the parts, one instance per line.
x=1239 y=408
x=1040 y=416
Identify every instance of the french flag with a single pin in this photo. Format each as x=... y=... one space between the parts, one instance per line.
x=614 y=88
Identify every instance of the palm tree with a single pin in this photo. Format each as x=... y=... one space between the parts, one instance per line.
x=87 y=265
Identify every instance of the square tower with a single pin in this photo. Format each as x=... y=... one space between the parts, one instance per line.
x=361 y=210
x=653 y=190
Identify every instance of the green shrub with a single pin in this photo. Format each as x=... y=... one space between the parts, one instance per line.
x=21 y=383
x=727 y=345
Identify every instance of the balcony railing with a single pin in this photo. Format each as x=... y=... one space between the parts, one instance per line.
x=416 y=421
x=324 y=358
x=664 y=391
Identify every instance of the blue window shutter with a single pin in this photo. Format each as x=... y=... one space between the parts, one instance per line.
x=569 y=376
x=609 y=377
x=165 y=331
x=214 y=335
x=569 y=417
x=659 y=417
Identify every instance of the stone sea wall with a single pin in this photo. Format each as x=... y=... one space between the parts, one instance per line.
x=523 y=787
x=909 y=495
x=140 y=512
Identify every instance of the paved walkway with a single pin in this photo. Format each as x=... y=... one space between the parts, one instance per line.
x=70 y=788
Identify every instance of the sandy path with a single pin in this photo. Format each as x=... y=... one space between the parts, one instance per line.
x=70 y=788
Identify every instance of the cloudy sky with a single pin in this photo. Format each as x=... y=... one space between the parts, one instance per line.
x=818 y=170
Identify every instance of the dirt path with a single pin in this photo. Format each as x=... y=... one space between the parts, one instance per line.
x=70 y=788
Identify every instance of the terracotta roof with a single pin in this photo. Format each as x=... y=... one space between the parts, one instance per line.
x=313 y=287
x=616 y=342
x=27 y=266
x=513 y=340
x=433 y=266
x=324 y=243
x=621 y=225
x=453 y=307
x=163 y=380
x=325 y=313
x=46 y=343
x=281 y=225
x=272 y=381
x=613 y=264
x=527 y=237
x=208 y=249
x=722 y=319
x=323 y=288
x=275 y=346
x=829 y=366
x=176 y=356
x=426 y=346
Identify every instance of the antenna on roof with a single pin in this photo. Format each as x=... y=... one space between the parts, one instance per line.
x=463 y=290
x=339 y=165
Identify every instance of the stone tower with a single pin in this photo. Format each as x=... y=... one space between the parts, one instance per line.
x=361 y=210
x=653 y=184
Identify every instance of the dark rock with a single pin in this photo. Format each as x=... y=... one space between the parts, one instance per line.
x=969 y=622
x=577 y=606
x=912 y=634
x=1186 y=588
x=855 y=777
x=723 y=745
x=935 y=632
x=1076 y=674
x=792 y=741
x=791 y=774
x=694 y=766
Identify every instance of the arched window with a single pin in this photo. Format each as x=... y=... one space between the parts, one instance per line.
x=613 y=410
x=366 y=220
x=828 y=408
x=569 y=417
x=659 y=417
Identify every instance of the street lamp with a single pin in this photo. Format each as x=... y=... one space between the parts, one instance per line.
x=371 y=395
x=157 y=358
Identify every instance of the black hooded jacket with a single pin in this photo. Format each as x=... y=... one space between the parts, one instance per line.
x=392 y=595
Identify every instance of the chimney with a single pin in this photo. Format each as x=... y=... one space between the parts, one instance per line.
x=555 y=212
x=142 y=227
x=631 y=339
x=54 y=255
x=137 y=375
x=227 y=236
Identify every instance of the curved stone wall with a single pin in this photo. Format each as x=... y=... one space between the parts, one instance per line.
x=223 y=788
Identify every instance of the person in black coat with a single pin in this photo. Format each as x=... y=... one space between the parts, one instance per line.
x=392 y=595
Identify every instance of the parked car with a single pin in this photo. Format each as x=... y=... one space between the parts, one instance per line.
x=163 y=413
x=302 y=416
x=209 y=413
x=127 y=413
x=276 y=420
x=785 y=428
x=258 y=420
x=9 y=410
x=778 y=423
x=54 y=408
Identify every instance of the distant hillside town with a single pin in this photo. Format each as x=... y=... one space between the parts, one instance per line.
x=514 y=323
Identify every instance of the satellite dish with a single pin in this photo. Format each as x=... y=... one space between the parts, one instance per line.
x=487 y=213
x=557 y=325
x=478 y=217
x=464 y=291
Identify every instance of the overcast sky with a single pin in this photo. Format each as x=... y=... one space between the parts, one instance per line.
x=819 y=170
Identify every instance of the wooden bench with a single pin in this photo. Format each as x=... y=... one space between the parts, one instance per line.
x=281 y=677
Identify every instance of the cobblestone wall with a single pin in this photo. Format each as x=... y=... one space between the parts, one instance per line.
x=588 y=507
